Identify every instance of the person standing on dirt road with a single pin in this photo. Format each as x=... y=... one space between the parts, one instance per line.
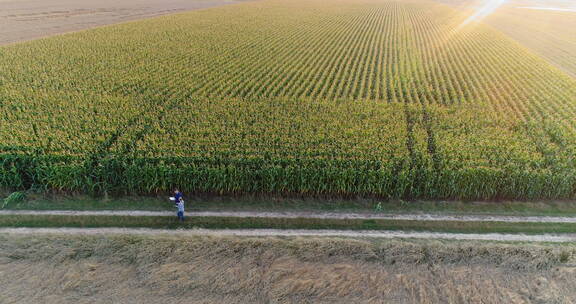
x=180 y=206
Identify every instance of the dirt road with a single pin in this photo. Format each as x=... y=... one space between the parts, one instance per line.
x=320 y=215
x=294 y=233
x=22 y=20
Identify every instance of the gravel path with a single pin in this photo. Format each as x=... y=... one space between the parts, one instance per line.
x=292 y=233
x=321 y=215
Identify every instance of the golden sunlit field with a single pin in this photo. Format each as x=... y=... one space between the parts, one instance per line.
x=385 y=98
x=329 y=151
x=547 y=28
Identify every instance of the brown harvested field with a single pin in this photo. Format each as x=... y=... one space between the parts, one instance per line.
x=546 y=27
x=22 y=20
x=170 y=269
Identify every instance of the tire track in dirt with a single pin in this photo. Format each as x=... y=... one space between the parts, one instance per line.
x=297 y=233
x=301 y=214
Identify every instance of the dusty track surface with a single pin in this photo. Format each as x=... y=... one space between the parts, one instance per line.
x=322 y=215
x=22 y=20
x=295 y=233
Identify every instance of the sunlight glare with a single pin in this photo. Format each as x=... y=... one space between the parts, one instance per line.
x=485 y=9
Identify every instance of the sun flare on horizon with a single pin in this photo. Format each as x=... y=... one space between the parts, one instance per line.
x=483 y=10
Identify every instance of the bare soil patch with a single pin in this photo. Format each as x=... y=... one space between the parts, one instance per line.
x=22 y=20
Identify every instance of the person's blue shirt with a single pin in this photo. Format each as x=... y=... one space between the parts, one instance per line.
x=177 y=196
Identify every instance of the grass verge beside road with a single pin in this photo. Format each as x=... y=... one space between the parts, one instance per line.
x=169 y=222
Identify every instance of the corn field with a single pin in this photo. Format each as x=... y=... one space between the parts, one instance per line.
x=372 y=98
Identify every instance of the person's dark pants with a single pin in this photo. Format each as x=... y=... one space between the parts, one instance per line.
x=180 y=216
